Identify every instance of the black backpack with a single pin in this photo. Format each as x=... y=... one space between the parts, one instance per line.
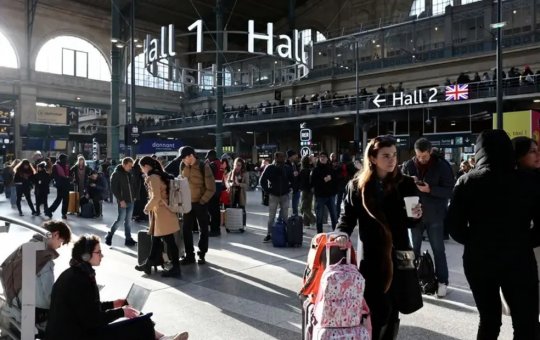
x=426 y=274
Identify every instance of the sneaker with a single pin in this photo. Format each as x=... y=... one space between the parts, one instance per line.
x=187 y=260
x=179 y=336
x=441 y=291
x=267 y=239
x=130 y=242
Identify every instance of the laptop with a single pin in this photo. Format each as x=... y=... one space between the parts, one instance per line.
x=137 y=296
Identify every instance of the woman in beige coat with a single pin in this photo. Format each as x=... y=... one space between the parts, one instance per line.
x=163 y=223
x=237 y=184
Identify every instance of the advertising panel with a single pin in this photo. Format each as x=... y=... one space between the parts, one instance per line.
x=517 y=123
x=535 y=126
x=51 y=115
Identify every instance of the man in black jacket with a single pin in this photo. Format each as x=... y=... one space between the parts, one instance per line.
x=122 y=188
x=324 y=182
x=277 y=179
x=435 y=181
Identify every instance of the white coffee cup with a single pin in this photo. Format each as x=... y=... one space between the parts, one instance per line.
x=410 y=203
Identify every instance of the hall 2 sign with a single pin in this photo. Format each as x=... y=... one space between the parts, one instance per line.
x=292 y=48
x=422 y=96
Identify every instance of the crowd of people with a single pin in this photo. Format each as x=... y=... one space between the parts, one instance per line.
x=503 y=174
x=514 y=78
x=21 y=176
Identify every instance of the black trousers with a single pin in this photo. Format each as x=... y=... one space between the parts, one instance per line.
x=42 y=199
x=157 y=249
x=141 y=328
x=517 y=276
x=62 y=196
x=97 y=205
x=23 y=190
x=198 y=213
x=213 y=209
x=384 y=314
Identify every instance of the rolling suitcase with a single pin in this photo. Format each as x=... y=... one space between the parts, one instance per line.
x=73 y=202
x=234 y=219
x=144 y=243
x=295 y=231
x=279 y=233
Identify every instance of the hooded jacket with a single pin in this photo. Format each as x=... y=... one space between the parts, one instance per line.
x=122 y=185
x=493 y=205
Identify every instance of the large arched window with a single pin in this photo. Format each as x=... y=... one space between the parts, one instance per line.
x=8 y=58
x=144 y=78
x=72 y=56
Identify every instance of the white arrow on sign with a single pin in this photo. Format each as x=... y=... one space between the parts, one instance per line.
x=376 y=101
x=135 y=141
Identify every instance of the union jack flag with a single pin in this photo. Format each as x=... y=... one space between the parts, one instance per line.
x=457 y=92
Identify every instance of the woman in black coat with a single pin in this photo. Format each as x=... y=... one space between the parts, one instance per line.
x=490 y=214
x=24 y=171
x=374 y=202
x=77 y=311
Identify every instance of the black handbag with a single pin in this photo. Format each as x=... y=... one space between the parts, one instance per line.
x=406 y=289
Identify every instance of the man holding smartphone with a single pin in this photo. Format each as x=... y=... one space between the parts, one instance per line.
x=435 y=181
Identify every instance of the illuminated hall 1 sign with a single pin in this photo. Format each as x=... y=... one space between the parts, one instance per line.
x=293 y=49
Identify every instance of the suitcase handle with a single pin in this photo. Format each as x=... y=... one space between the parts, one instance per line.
x=335 y=244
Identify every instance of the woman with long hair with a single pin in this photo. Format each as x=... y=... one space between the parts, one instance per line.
x=237 y=183
x=23 y=180
x=163 y=223
x=374 y=201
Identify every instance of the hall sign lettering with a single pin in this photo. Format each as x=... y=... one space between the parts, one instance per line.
x=287 y=47
x=422 y=96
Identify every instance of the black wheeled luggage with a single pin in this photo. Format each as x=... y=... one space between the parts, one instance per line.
x=144 y=243
x=295 y=231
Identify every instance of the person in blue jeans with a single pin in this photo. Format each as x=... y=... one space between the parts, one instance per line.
x=434 y=180
x=122 y=187
x=324 y=182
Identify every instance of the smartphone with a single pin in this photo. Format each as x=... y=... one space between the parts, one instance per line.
x=420 y=183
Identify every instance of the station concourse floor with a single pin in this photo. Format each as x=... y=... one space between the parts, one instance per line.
x=247 y=289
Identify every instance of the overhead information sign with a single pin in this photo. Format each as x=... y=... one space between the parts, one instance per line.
x=456 y=92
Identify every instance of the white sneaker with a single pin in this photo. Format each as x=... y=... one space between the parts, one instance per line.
x=179 y=336
x=441 y=291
